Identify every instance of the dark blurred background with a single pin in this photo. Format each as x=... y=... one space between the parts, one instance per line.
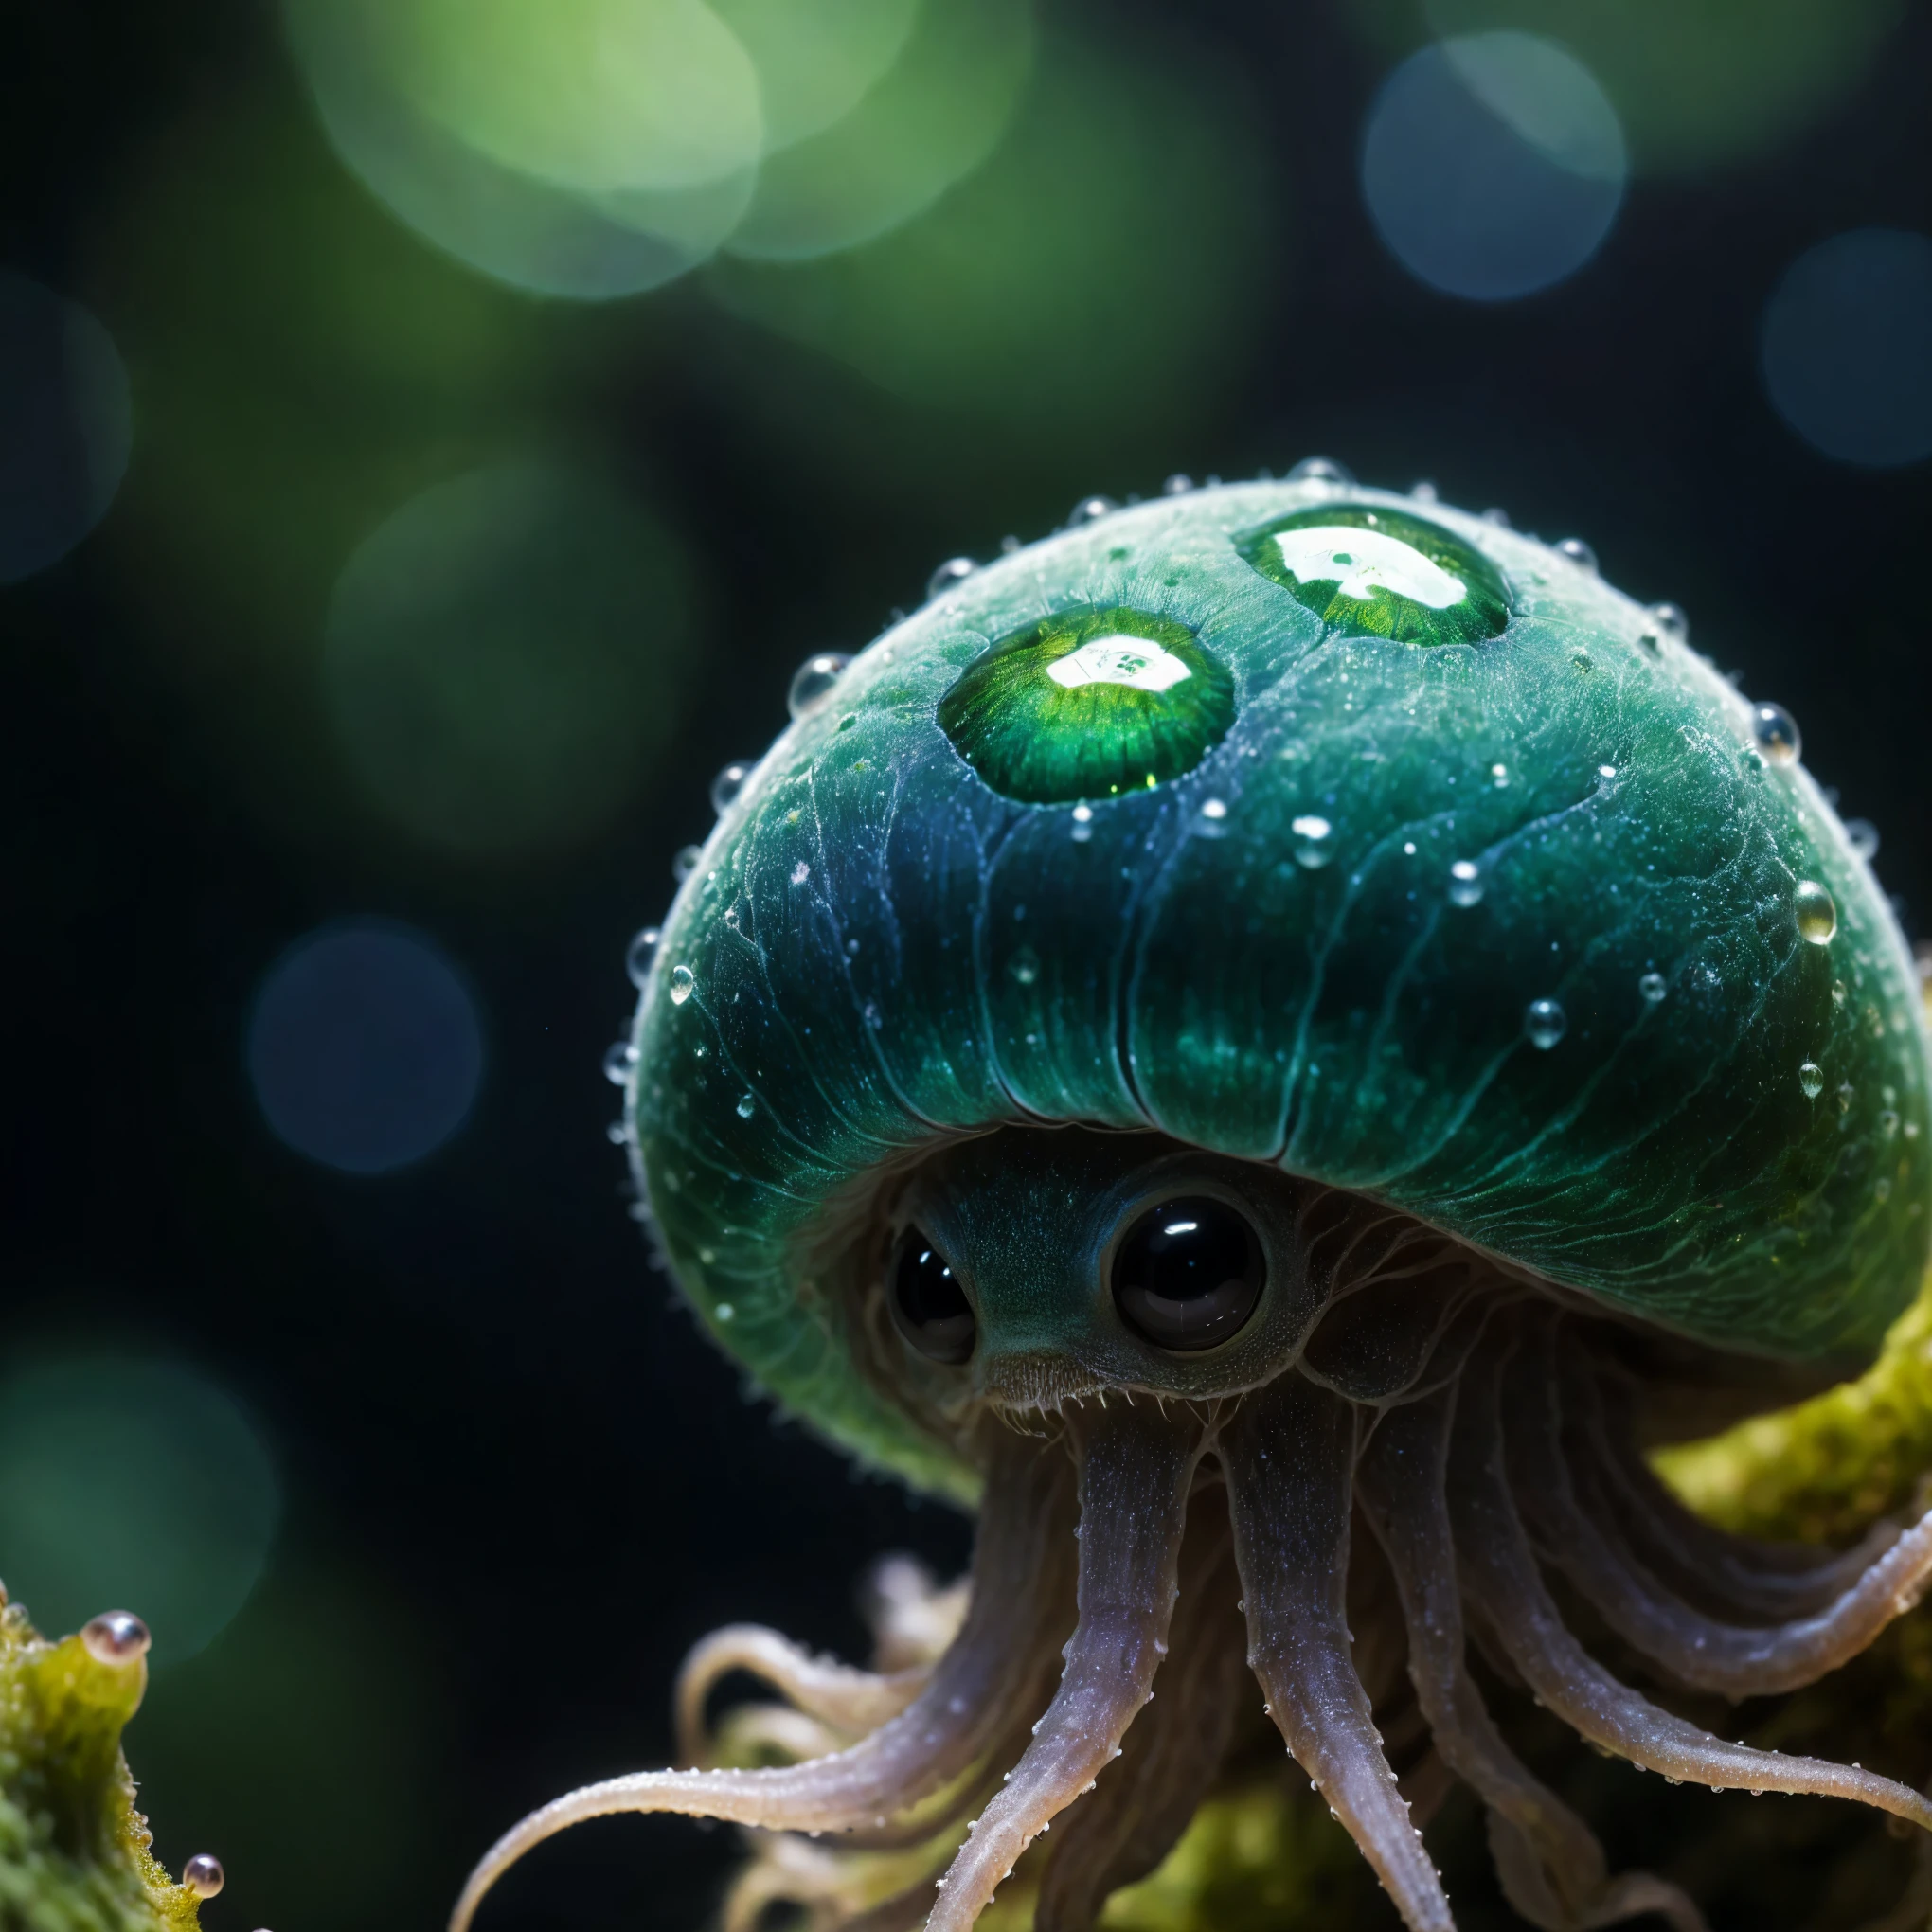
x=434 y=431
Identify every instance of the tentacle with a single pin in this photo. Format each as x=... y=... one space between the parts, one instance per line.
x=1020 y=1571
x=1739 y=1662
x=1143 y=1800
x=1290 y=1455
x=1735 y=1577
x=1500 y=1573
x=1137 y=1465
x=1552 y=1867
x=913 y=1619
x=848 y=1699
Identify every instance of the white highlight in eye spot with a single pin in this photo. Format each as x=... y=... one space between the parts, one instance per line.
x=1180 y=1227
x=1364 y=562
x=1119 y=659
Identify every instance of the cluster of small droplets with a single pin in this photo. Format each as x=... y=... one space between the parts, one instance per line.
x=729 y=783
x=1817 y=915
x=953 y=571
x=1465 y=883
x=203 y=1875
x=1579 y=553
x=116 y=1636
x=1777 y=733
x=1545 y=1021
x=813 y=682
x=1314 y=840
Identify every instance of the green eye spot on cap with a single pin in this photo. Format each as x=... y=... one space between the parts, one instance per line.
x=1382 y=573
x=1088 y=703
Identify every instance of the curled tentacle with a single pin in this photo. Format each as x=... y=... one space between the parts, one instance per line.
x=1136 y=1467
x=1143 y=1800
x=837 y=1694
x=1290 y=1455
x=1020 y=1565
x=1552 y=1867
x=1501 y=1575
x=1737 y=1578
x=1697 y=1650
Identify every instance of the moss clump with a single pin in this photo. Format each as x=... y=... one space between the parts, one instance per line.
x=73 y=1852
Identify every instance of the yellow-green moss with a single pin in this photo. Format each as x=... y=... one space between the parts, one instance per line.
x=73 y=1852
x=1822 y=1472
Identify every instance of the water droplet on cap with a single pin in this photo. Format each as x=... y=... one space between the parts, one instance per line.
x=1775 y=731
x=620 y=1058
x=1811 y=1077
x=116 y=1636
x=1177 y=485
x=1667 y=621
x=813 y=681
x=203 y=1875
x=953 y=570
x=1321 y=470
x=1025 y=966
x=748 y=1106
x=685 y=862
x=728 y=784
x=1314 y=840
x=1652 y=988
x=1817 y=916
x=1579 y=552
x=1545 y=1023
x=639 y=953
x=683 y=983
x=1090 y=510
x=1862 y=836
x=1465 y=883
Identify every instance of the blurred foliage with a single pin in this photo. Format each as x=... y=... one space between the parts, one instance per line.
x=1102 y=280
x=73 y=1853
x=1698 y=83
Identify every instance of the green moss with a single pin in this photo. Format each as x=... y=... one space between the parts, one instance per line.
x=1822 y=1470
x=73 y=1852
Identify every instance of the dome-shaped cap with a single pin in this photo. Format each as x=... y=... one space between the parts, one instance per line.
x=1316 y=825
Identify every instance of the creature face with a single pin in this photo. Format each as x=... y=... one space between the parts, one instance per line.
x=1273 y=1040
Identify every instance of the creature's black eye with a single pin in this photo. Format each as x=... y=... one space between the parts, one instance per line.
x=928 y=1307
x=1189 y=1274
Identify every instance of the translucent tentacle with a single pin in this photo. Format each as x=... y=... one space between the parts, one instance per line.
x=1290 y=1455
x=1137 y=1465
x=1736 y=1577
x=1500 y=1573
x=1739 y=1662
x=1019 y=1566
x=838 y=1694
x=1552 y=1867
x=1143 y=1800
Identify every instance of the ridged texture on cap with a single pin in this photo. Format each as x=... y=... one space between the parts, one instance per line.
x=878 y=947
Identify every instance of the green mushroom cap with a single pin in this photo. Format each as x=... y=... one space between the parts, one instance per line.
x=1316 y=825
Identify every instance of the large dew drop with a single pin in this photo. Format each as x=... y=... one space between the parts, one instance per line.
x=639 y=954
x=1545 y=1023
x=813 y=681
x=1775 y=731
x=1313 y=841
x=1465 y=883
x=1811 y=1077
x=728 y=784
x=1817 y=916
x=682 y=982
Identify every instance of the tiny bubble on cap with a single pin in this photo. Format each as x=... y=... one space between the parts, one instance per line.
x=203 y=1875
x=116 y=1636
